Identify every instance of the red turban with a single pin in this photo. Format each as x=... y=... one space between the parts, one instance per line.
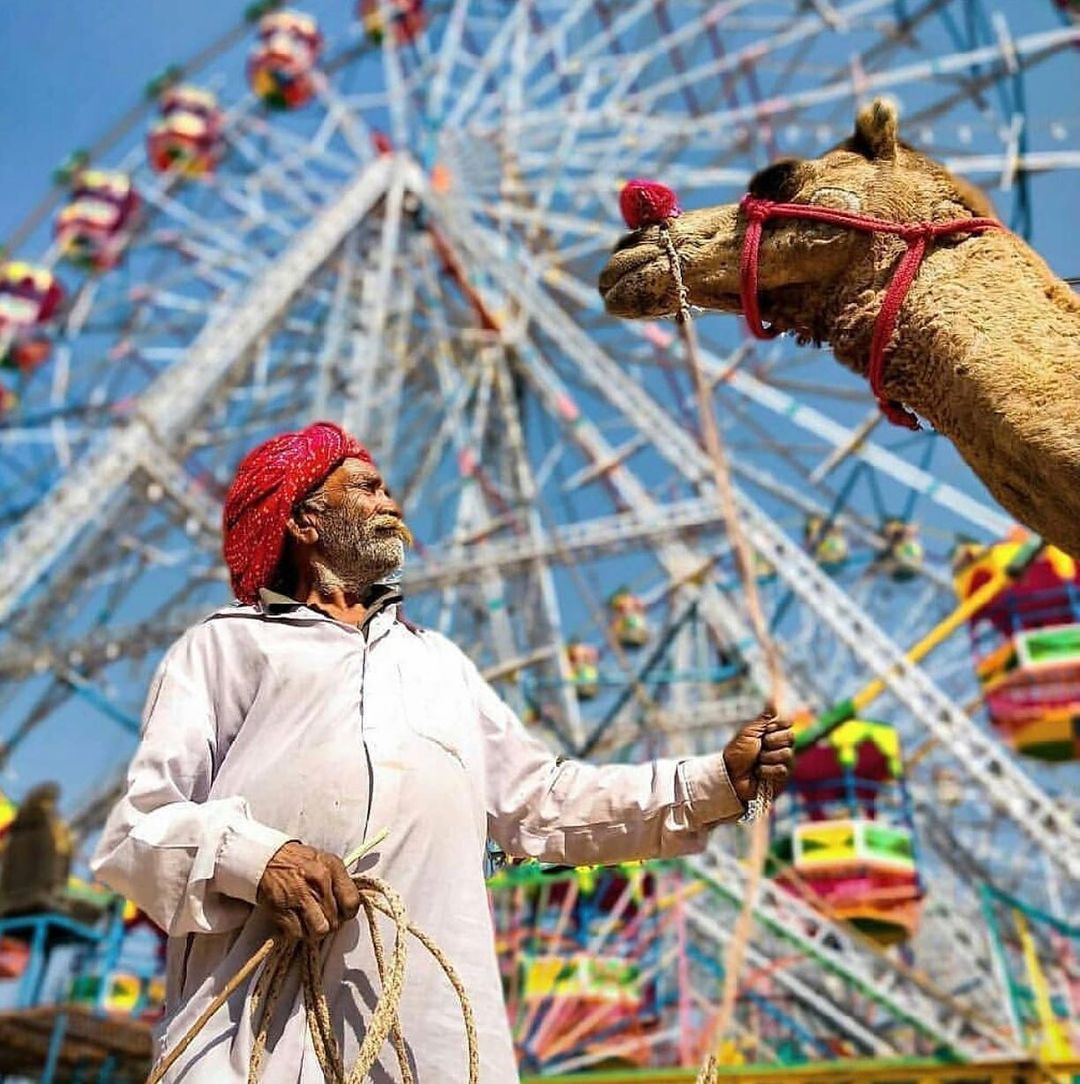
x=269 y=481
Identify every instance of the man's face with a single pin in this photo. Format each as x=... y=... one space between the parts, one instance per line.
x=362 y=535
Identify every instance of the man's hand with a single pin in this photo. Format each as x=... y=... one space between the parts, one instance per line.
x=308 y=893
x=762 y=749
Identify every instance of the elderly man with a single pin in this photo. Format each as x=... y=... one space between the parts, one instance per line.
x=281 y=732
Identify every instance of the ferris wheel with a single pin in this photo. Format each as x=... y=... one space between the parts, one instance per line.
x=393 y=215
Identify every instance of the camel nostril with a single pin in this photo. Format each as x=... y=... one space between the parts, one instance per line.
x=627 y=241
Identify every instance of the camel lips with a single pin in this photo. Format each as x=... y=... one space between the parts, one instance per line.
x=647 y=203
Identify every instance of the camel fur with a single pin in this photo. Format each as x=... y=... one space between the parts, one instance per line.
x=987 y=347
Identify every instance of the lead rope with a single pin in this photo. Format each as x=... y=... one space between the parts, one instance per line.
x=758 y=807
x=280 y=957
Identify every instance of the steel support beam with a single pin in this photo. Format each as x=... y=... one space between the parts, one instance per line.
x=839 y=950
x=168 y=406
x=1047 y=826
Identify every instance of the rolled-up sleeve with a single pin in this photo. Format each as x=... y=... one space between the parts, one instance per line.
x=572 y=812
x=192 y=863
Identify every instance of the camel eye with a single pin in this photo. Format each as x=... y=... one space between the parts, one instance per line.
x=780 y=181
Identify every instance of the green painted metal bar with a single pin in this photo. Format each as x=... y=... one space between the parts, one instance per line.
x=1061 y=926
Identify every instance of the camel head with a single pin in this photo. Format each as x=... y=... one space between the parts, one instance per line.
x=806 y=269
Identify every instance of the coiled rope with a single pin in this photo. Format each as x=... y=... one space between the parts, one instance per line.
x=280 y=956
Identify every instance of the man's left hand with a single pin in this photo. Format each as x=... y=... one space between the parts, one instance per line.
x=762 y=750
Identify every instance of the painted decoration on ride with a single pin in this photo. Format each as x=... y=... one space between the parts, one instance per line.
x=8 y=809
x=1026 y=648
x=844 y=831
x=120 y=993
x=188 y=139
x=29 y=297
x=407 y=19
x=589 y=979
x=14 y=952
x=14 y=957
x=95 y=225
x=629 y=623
x=281 y=67
x=580 y=951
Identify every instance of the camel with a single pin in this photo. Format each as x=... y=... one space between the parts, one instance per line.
x=986 y=346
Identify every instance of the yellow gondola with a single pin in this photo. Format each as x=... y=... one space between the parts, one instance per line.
x=1026 y=648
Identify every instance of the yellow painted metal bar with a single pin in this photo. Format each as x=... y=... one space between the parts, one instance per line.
x=854 y=1072
x=851 y=708
x=942 y=631
x=1053 y=1044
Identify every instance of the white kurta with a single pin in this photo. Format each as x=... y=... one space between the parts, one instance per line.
x=266 y=724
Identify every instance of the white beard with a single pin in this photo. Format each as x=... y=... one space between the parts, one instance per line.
x=355 y=553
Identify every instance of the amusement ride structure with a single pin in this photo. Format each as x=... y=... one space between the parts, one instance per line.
x=392 y=214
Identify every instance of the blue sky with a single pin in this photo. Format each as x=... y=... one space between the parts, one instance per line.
x=72 y=69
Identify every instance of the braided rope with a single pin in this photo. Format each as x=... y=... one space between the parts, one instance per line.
x=280 y=957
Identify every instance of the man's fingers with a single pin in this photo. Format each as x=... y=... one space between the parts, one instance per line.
x=345 y=892
x=779 y=739
x=313 y=919
x=756 y=729
x=773 y=773
x=289 y=924
x=323 y=885
x=784 y=757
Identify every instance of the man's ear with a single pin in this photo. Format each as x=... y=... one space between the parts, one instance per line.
x=301 y=529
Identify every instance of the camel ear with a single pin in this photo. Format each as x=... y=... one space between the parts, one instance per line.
x=781 y=181
x=877 y=130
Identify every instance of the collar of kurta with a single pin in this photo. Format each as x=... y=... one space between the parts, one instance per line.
x=380 y=596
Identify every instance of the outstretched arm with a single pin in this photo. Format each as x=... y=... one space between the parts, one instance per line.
x=571 y=812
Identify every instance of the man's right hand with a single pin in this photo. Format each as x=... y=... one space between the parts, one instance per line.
x=308 y=893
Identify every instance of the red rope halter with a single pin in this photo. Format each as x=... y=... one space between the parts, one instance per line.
x=917 y=235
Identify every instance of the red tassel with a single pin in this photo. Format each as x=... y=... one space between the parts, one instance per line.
x=647 y=203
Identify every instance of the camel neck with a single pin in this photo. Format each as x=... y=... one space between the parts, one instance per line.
x=974 y=307
x=987 y=349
